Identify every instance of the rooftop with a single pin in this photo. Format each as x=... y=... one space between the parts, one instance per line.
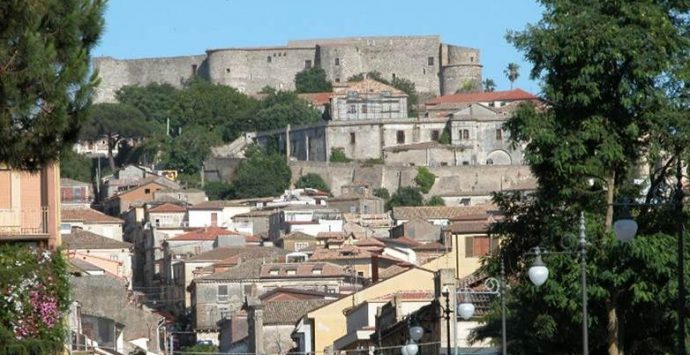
x=289 y=312
x=245 y=253
x=441 y=212
x=207 y=233
x=86 y=215
x=168 y=208
x=509 y=95
x=216 y=205
x=81 y=239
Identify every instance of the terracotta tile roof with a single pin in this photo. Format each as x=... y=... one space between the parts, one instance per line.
x=344 y=253
x=406 y=241
x=81 y=239
x=306 y=269
x=258 y=213
x=245 y=253
x=510 y=95
x=367 y=86
x=289 y=312
x=406 y=295
x=208 y=233
x=299 y=236
x=393 y=270
x=87 y=215
x=331 y=235
x=313 y=294
x=440 y=212
x=250 y=269
x=215 y=205
x=369 y=242
x=461 y=227
x=168 y=208
x=435 y=246
x=316 y=98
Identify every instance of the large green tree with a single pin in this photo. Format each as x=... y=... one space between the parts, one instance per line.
x=312 y=80
x=405 y=196
x=115 y=122
x=512 y=72
x=45 y=84
x=279 y=109
x=261 y=174
x=606 y=68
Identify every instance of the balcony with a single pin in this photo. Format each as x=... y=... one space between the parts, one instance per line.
x=24 y=222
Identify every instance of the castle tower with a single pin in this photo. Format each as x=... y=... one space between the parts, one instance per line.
x=461 y=69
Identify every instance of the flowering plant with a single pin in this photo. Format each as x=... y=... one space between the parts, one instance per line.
x=34 y=296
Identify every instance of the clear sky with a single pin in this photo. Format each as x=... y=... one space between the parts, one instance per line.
x=161 y=28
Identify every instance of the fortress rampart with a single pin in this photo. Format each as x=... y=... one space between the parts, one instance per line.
x=435 y=68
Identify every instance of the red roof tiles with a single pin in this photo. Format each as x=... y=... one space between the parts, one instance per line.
x=208 y=233
x=168 y=208
x=510 y=95
x=87 y=215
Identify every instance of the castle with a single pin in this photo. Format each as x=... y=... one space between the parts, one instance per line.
x=436 y=68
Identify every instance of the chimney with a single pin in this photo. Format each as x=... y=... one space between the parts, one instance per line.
x=374 y=269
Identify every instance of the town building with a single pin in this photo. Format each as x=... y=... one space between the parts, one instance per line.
x=90 y=220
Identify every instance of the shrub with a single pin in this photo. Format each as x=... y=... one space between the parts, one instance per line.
x=424 y=179
x=338 y=156
x=314 y=181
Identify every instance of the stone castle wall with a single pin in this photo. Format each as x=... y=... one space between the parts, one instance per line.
x=434 y=67
x=115 y=73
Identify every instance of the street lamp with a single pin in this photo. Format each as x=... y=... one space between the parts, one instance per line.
x=494 y=287
x=447 y=311
x=415 y=331
x=538 y=273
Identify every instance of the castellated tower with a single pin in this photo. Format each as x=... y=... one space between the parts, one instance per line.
x=434 y=67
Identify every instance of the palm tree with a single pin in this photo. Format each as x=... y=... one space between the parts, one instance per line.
x=489 y=85
x=512 y=72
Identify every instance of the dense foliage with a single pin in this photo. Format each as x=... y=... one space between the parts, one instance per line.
x=46 y=85
x=75 y=166
x=405 y=196
x=34 y=298
x=425 y=179
x=435 y=201
x=218 y=190
x=613 y=75
x=338 y=156
x=261 y=174
x=312 y=80
x=314 y=181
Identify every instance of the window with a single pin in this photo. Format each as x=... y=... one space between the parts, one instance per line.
x=393 y=76
x=353 y=209
x=352 y=138
x=247 y=289
x=360 y=273
x=430 y=61
x=366 y=209
x=273 y=272
x=400 y=135
x=352 y=109
x=147 y=191
x=499 y=134
x=337 y=80
x=227 y=70
x=194 y=69
x=435 y=134
x=291 y=272
x=464 y=134
x=364 y=108
x=268 y=59
x=316 y=271
x=307 y=64
x=337 y=61
x=489 y=162
x=471 y=59
x=477 y=246
x=222 y=293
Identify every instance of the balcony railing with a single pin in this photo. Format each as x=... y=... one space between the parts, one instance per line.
x=24 y=221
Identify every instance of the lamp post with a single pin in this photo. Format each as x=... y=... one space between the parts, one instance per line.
x=494 y=287
x=415 y=331
x=626 y=228
x=447 y=311
x=538 y=273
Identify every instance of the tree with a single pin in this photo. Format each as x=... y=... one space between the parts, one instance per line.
x=186 y=152
x=156 y=101
x=383 y=193
x=512 y=72
x=114 y=122
x=314 y=181
x=46 y=85
x=75 y=166
x=489 y=85
x=312 y=80
x=606 y=74
x=405 y=196
x=424 y=179
x=338 y=156
x=261 y=174
x=281 y=108
x=436 y=201
x=218 y=190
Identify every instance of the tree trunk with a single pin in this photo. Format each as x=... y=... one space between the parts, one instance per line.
x=610 y=192
x=111 y=159
x=612 y=327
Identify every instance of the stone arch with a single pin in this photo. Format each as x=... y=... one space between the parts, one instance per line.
x=499 y=157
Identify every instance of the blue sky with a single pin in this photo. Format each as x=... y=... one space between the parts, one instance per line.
x=161 y=28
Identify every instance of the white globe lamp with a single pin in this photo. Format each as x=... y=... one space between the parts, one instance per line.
x=538 y=272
